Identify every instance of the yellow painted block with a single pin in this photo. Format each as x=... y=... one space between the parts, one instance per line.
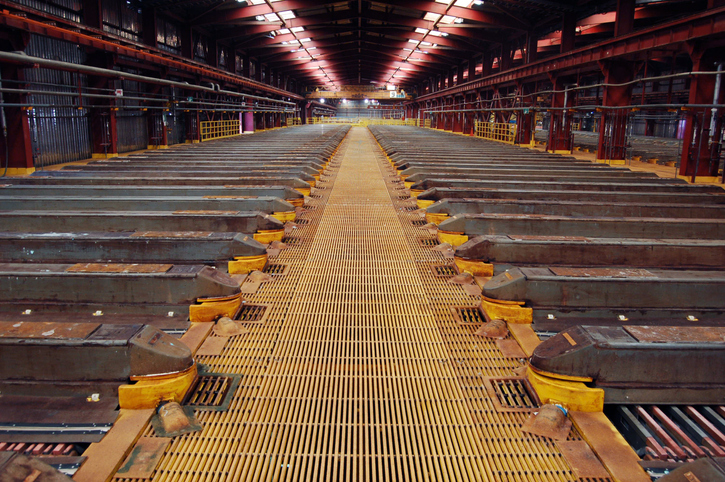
x=100 y=155
x=148 y=392
x=416 y=192
x=562 y=151
x=285 y=216
x=573 y=395
x=408 y=184
x=19 y=171
x=209 y=309
x=476 y=268
x=612 y=162
x=509 y=312
x=298 y=203
x=305 y=191
x=436 y=218
x=423 y=203
x=267 y=236
x=454 y=239
x=247 y=264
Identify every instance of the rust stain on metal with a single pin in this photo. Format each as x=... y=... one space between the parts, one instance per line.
x=230 y=197
x=525 y=237
x=602 y=272
x=208 y=213
x=686 y=334
x=171 y=234
x=569 y=339
x=118 y=268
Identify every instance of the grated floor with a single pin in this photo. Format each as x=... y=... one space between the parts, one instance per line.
x=360 y=371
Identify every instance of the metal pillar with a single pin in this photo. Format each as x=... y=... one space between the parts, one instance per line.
x=560 y=135
x=19 y=144
x=612 y=146
x=249 y=122
x=157 y=130
x=700 y=157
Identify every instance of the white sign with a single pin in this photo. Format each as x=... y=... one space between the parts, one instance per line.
x=119 y=92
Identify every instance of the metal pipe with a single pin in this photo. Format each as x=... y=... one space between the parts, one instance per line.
x=715 y=100
x=71 y=67
x=4 y=121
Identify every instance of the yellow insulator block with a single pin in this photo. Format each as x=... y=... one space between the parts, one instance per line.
x=408 y=184
x=285 y=216
x=298 y=203
x=148 y=392
x=267 y=236
x=305 y=191
x=454 y=239
x=509 y=311
x=475 y=267
x=575 y=396
x=209 y=309
x=436 y=218
x=247 y=264
x=416 y=192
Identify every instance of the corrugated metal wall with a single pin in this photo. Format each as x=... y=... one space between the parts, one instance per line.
x=59 y=133
x=67 y=9
x=131 y=124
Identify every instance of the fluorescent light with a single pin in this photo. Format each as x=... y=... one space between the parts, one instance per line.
x=271 y=17
x=463 y=3
x=297 y=29
x=436 y=33
x=304 y=40
x=286 y=15
x=259 y=18
x=432 y=17
x=410 y=40
x=426 y=44
x=283 y=31
x=458 y=20
x=422 y=30
x=447 y=19
x=256 y=2
x=444 y=2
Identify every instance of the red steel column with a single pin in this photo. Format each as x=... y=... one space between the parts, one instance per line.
x=20 y=148
x=560 y=136
x=458 y=116
x=612 y=146
x=699 y=158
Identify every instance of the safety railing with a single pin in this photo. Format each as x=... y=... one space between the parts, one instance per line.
x=369 y=121
x=219 y=129
x=293 y=121
x=499 y=131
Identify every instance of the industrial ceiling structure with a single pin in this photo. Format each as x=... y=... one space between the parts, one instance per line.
x=399 y=42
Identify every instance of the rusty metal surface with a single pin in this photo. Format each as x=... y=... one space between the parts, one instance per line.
x=47 y=330
x=679 y=334
x=171 y=234
x=118 y=268
x=601 y=272
x=521 y=250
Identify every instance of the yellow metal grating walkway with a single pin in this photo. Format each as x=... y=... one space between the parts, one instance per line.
x=360 y=371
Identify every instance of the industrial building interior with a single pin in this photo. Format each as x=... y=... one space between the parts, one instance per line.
x=294 y=240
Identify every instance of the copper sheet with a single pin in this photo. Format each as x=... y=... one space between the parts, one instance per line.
x=510 y=348
x=581 y=458
x=118 y=268
x=669 y=334
x=602 y=272
x=44 y=329
x=526 y=237
x=144 y=458
x=171 y=234
x=212 y=346
x=230 y=197
x=208 y=213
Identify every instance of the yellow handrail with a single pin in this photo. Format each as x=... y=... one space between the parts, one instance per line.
x=219 y=129
x=496 y=131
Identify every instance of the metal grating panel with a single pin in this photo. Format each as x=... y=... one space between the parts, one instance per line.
x=360 y=371
x=428 y=242
x=276 y=269
x=252 y=313
x=443 y=270
x=468 y=315
x=511 y=394
x=212 y=391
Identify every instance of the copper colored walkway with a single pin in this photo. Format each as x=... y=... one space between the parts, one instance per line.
x=360 y=372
